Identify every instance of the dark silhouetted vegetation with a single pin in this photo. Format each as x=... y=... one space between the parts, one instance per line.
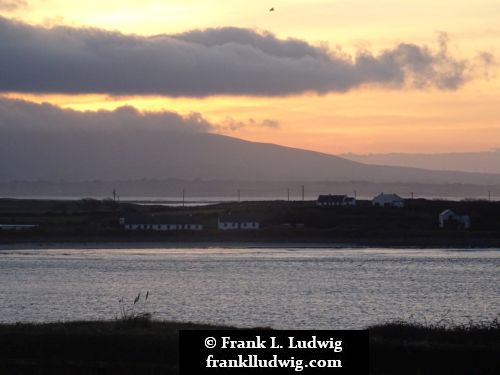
x=132 y=347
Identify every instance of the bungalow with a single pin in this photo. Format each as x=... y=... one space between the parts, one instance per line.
x=161 y=223
x=388 y=200
x=237 y=222
x=450 y=220
x=335 y=200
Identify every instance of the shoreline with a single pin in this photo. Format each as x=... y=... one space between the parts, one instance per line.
x=338 y=245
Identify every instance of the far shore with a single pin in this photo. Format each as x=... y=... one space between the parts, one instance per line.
x=103 y=224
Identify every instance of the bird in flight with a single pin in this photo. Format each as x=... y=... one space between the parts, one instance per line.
x=271 y=10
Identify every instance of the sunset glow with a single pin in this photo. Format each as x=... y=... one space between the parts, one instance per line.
x=366 y=119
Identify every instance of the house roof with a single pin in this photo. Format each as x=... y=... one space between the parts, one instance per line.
x=452 y=213
x=162 y=219
x=388 y=198
x=447 y=212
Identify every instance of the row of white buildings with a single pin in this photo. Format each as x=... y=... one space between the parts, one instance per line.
x=381 y=200
x=188 y=223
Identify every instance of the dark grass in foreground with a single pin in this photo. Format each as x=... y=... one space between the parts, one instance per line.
x=409 y=348
x=142 y=346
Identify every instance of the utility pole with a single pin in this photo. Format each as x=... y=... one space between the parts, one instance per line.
x=183 y=197
x=239 y=195
x=303 y=193
x=288 y=194
x=114 y=195
x=489 y=196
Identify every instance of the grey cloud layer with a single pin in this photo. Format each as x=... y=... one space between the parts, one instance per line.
x=42 y=141
x=230 y=124
x=203 y=63
x=19 y=117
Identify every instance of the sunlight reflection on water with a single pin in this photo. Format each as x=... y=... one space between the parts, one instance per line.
x=283 y=288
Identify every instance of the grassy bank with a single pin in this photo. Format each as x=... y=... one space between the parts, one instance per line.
x=403 y=348
x=145 y=347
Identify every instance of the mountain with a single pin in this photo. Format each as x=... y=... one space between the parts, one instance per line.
x=190 y=155
x=484 y=162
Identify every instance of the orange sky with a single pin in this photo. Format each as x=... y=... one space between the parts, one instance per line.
x=367 y=120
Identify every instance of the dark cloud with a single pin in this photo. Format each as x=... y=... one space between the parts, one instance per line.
x=265 y=42
x=11 y=5
x=18 y=116
x=228 y=61
x=44 y=141
x=230 y=124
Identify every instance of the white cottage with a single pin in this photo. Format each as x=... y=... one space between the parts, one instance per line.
x=449 y=219
x=237 y=222
x=388 y=200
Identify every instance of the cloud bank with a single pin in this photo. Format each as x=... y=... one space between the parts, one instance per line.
x=224 y=61
x=44 y=141
x=12 y=5
x=18 y=117
x=230 y=124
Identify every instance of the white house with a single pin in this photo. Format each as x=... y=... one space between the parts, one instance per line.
x=161 y=223
x=237 y=222
x=335 y=200
x=388 y=200
x=449 y=219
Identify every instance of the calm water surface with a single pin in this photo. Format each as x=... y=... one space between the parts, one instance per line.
x=281 y=288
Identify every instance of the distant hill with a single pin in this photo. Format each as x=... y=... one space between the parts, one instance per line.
x=190 y=155
x=484 y=162
x=42 y=142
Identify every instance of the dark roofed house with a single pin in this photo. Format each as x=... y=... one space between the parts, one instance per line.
x=237 y=222
x=335 y=200
x=161 y=223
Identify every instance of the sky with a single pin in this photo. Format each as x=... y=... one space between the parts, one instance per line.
x=332 y=76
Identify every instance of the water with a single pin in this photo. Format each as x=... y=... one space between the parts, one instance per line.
x=282 y=288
